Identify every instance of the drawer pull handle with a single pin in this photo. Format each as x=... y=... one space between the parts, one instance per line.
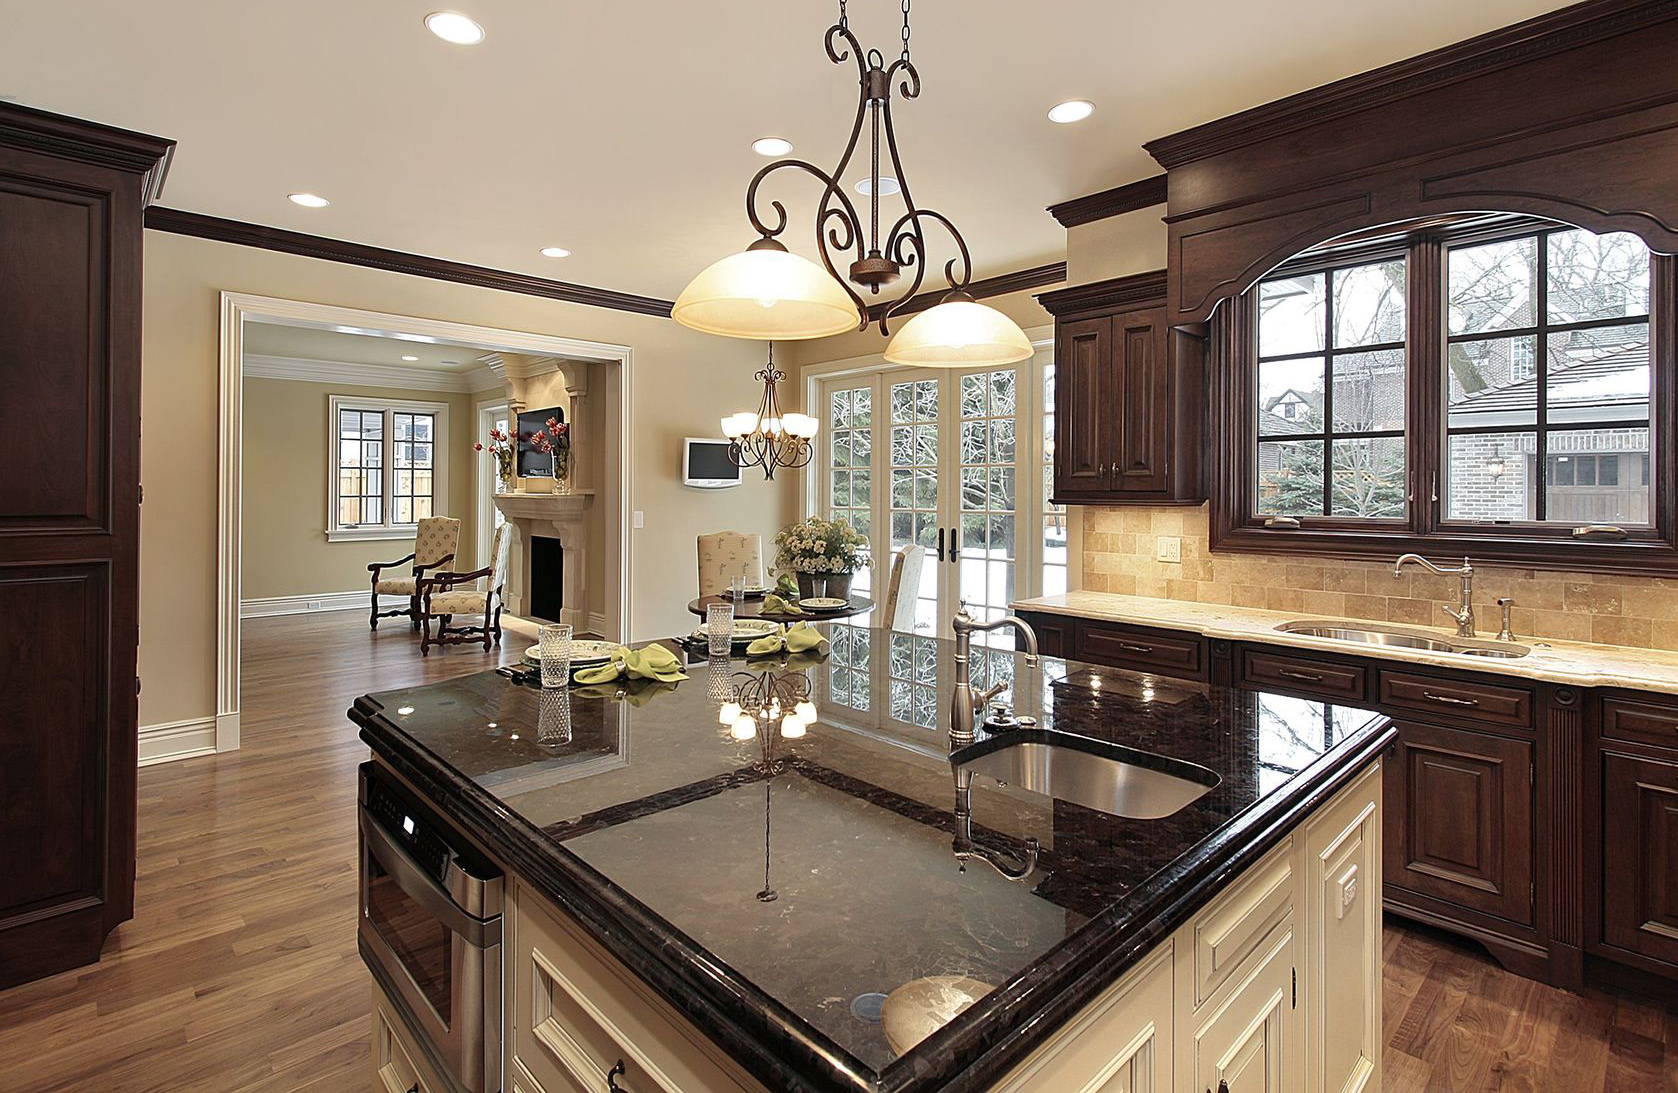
x=1451 y=699
x=1290 y=673
x=612 y=1077
x=1128 y=647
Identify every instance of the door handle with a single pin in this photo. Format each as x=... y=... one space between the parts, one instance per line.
x=955 y=543
x=940 y=544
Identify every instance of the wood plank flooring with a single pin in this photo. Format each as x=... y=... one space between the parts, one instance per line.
x=239 y=972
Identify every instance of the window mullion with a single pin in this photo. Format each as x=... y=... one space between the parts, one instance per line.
x=1540 y=358
x=387 y=475
x=1424 y=369
x=1328 y=391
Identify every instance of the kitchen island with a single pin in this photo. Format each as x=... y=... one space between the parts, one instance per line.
x=688 y=910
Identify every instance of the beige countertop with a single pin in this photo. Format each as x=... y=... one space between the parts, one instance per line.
x=1574 y=663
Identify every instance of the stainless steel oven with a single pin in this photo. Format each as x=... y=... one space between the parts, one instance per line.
x=430 y=930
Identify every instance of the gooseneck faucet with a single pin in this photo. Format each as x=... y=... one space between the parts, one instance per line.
x=1464 y=614
x=965 y=704
x=966 y=847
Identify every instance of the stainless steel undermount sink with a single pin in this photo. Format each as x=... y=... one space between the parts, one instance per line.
x=1398 y=638
x=1109 y=778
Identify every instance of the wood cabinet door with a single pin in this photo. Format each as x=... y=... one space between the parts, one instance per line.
x=1247 y=1042
x=69 y=537
x=1342 y=959
x=1142 y=409
x=1083 y=421
x=1640 y=856
x=1459 y=819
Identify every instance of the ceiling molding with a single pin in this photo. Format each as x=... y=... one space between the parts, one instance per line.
x=1003 y=283
x=263 y=366
x=1115 y=294
x=1141 y=194
x=202 y=226
x=1524 y=42
x=89 y=142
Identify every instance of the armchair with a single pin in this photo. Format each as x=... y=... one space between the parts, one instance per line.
x=439 y=600
x=435 y=543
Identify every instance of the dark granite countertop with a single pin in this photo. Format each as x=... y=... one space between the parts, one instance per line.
x=642 y=817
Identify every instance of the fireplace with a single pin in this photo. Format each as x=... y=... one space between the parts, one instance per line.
x=547 y=578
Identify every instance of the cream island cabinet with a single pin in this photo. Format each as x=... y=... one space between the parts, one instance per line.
x=676 y=910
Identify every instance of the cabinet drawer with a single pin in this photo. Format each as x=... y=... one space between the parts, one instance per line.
x=1228 y=931
x=1639 y=722
x=1455 y=700
x=1300 y=674
x=1168 y=652
x=395 y=1069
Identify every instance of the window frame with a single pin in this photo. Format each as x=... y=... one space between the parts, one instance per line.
x=388 y=408
x=1236 y=524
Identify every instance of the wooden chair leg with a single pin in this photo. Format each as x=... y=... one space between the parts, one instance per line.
x=414 y=611
x=373 y=617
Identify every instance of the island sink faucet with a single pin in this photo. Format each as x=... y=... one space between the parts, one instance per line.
x=1464 y=614
x=965 y=704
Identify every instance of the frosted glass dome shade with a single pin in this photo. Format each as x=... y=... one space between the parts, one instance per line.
x=959 y=334
x=769 y=294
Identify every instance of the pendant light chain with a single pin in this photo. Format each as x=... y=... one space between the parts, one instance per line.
x=905 y=29
x=844 y=17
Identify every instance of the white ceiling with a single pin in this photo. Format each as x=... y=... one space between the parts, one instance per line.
x=313 y=344
x=621 y=130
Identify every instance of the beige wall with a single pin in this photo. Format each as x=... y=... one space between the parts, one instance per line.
x=683 y=382
x=287 y=444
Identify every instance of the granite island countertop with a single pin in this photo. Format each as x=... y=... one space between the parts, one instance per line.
x=1578 y=664
x=641 y=817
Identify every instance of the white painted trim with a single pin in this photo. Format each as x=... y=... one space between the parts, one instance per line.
x=264 y=367
x=267 y=606
x=355 y=535
x=597 y=622
x=236 y=308
x=483 y=418
x=168 y=741
x=439 y=412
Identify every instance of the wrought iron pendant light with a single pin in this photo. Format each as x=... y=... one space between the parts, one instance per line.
x=769 y=438
x=768 y=292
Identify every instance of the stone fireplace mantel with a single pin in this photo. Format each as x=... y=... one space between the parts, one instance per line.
x=561 y=516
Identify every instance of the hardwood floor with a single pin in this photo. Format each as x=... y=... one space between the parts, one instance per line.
x=239 y=972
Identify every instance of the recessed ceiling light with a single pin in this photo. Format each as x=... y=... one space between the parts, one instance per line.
x=555 y=252
x=1071 y=111
x=771 y=146
x=408 y=358
x=888 y=186
x=451 y=26
x=308 y=201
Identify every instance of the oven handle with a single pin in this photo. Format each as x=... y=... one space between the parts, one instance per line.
x=477 y=932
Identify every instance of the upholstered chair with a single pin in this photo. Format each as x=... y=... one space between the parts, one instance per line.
x=441 y=599
x=435 y=544
x=902 y=588
x=728 y=554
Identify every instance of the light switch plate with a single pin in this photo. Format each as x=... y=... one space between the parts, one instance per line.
x=640 y=518
x=1168 y=548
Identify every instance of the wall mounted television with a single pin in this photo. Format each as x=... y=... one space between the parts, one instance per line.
x=532 y=463
x=705 y=464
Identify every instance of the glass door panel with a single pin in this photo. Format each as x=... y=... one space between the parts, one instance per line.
x=987 y=463
x=914 y=512
x=850 y=468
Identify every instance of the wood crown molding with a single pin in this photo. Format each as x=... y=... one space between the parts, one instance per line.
x=1116 y=294
x=89 y=142
x=203 y=226
x=1141 y=194
x=1546 y=34
x=1003 y=283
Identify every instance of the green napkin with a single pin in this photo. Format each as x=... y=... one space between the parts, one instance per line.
x=800 y=638
x=775 y=605
x=653 y=662
x=638 y=693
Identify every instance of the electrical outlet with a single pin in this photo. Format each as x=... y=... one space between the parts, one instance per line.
x=1168 y=548
x=640 y=518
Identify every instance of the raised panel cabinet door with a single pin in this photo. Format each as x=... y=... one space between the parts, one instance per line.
x=1342 y=964
x=1083 y=425
x=1459 y=819
x=1640 y=856
x=1142 y=409
x=1248 y=1041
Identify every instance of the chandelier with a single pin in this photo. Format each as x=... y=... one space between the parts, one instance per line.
x=768 y=706
x=767 y=292
x=769 y=438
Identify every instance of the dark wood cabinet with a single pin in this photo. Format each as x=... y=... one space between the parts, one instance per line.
x=1640 y=855
x=72 y=196
x=1128 y=395
x=1459 y=819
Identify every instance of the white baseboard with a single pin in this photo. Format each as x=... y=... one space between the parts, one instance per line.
x=320 y=601
x=597 y=623
x=171 y=740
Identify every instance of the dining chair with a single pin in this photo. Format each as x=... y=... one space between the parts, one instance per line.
x=902 y=588
x=435 y=542
x=440 y=600
x=727 y=554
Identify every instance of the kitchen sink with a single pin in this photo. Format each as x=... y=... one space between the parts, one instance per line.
x=1399 y=638
x=1109 y=778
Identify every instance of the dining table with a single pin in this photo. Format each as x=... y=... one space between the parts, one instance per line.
x=752 y=608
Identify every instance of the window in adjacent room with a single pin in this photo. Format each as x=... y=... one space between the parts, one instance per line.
x=388 y=466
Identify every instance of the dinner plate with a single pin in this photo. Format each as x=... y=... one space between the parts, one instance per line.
x=585 y=653
x=744 y=630
x=824 y=603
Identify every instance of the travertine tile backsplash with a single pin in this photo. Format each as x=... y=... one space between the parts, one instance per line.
x=1120 y=551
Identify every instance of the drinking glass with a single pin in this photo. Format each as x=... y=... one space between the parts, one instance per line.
x=553 y=718
x=737 y=589
x=555 y=644
x=719 y=627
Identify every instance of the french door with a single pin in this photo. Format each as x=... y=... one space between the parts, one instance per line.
x=950 y=460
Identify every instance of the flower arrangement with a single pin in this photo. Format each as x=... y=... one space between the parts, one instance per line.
x=501 y=447
x=554 y=439
x=820 y=547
